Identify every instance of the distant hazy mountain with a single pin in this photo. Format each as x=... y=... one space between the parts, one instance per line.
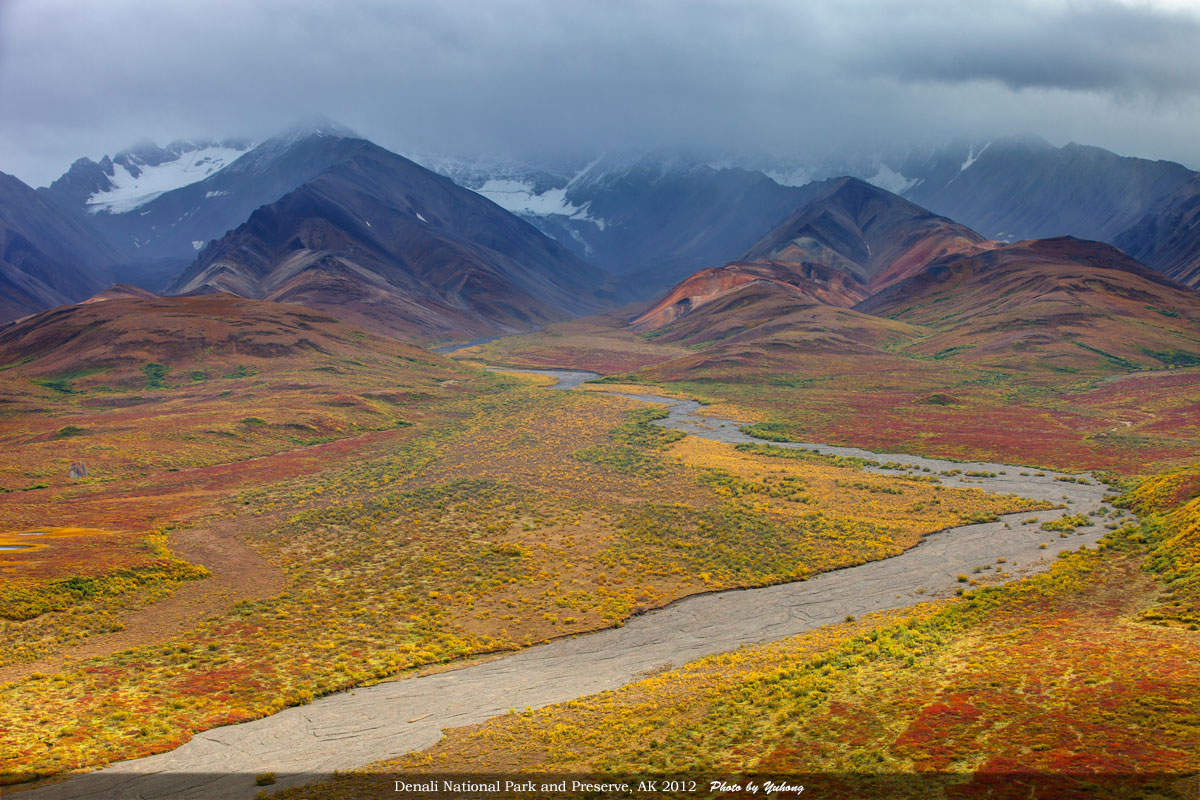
x=1025 y=188
x=650 y=219
x=385 y=243
x=47 y=256
x=1168 y=236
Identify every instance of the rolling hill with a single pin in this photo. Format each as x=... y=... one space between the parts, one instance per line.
x=803 y=279
x=744 y=301
x=111 y=338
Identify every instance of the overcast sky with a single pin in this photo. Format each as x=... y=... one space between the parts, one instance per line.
x=521 y=77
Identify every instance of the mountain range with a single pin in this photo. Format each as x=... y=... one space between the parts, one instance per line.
x=315 y=215
x=1009 y=188
x=160 y=234
x=318 y=216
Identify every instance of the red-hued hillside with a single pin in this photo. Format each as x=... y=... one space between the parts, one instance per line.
x=804 y=283
x=1064 y=301
x=111 y=341
x=838 y=249
x=121 y=290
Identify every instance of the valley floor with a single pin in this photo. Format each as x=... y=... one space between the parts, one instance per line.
x=510 y=515
x=1065 y=408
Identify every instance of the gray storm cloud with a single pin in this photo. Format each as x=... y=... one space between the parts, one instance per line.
x=1102 y=47
x=528 y=77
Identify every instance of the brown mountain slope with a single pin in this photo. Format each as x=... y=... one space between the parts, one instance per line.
x=112 y=342
x=1066 y=302
x=385 y=243
x=803 y=282
x=849 y=241
x=792 y=312
x=864 y=231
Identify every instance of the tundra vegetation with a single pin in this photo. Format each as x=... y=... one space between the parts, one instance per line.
x=1059 y=405
x=1079 y=682
x=503 y=515
x=433 y=511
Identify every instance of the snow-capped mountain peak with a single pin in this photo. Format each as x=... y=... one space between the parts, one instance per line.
x=143 y=172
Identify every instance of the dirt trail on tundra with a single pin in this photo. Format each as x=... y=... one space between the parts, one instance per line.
x=237 y=573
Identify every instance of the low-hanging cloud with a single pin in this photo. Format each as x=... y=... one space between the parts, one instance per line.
x=545 y=77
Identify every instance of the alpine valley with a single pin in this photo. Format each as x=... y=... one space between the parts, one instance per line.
x=877 y=473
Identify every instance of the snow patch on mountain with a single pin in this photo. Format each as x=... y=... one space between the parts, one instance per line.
x=795 y=176
x=972 y=157
x=887 y=178
x=137 y=183
x=519 y=197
